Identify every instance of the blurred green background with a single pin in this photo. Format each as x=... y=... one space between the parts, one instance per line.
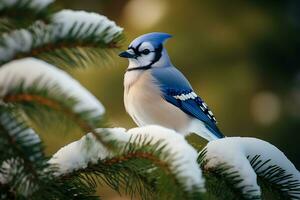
x=242 y=57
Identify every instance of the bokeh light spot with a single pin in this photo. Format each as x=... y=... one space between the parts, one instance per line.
x=265 y=108
x=144 y=14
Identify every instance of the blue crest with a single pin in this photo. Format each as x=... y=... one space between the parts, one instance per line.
x=156 y=38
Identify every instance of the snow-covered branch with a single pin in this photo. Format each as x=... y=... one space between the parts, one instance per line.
x=36 y=87
x=29 y=4
x=31 y=72
x=184 y=156
x=85 y=25
x=67 y=29
x=23 y=150
x=176 y=153
x=250 y=158
x=16 y=14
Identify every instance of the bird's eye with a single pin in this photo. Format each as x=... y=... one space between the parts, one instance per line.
x=145 y=51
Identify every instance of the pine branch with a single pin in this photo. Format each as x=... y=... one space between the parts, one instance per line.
x=47 y=107
x=23 y=160
x=236 y=161
x=120 y=175
x=274 y=178
x=7 y=25
x=38 y=96
x=145 y=165
x=72 y=39
x=137 y=171
x=16 y=14
x=224 y=181
x=24 y=170
x=152 y=163
x=65 y=190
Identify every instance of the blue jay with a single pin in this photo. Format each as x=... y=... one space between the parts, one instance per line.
x=155 y=92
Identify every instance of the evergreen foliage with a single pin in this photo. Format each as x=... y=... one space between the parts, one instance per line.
x=275 y=182
x=134 y=169
x=21 y=13
x=25 y=172
x=138 y=165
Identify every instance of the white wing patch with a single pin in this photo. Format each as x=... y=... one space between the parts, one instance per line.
x=202 y=104
x=183 y=97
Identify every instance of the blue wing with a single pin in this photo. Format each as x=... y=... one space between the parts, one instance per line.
x=177 y=90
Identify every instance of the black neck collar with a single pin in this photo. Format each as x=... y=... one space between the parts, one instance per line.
x=139 y=68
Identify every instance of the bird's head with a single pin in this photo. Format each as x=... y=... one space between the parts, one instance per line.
x=147 y=51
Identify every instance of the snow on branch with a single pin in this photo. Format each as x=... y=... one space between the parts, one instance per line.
x=24 y=157
x=249 y=158
x=72 y=38
x=81 y=24
x=182 y=161
x=17 y=42
x=31 y=4
x=36 y=87
x=77 y=155
x=16 y=14
x=24 y=169
x=33 y=72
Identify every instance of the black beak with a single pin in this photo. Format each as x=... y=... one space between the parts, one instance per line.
x=126 y=54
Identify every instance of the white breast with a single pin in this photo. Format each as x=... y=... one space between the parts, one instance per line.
x=145 y=104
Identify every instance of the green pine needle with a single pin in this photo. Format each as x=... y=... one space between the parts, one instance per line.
x=24 y=166
x=45 y=106
x=275 y=178
x=20 y=146
x=21 y=14
x=274 y=181
x=71 y=50
x=138 y=169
